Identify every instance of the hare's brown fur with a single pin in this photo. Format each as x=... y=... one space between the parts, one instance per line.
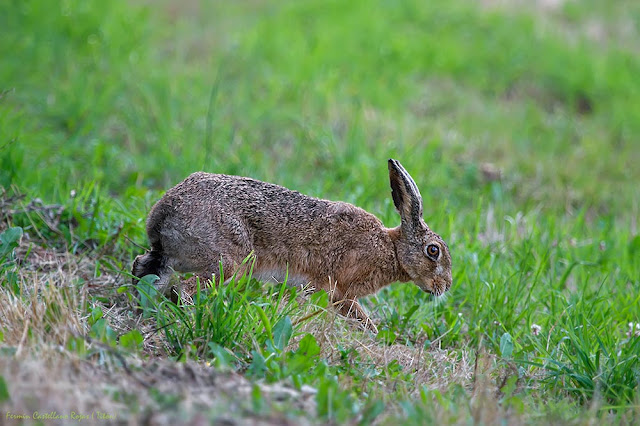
x=333 y=246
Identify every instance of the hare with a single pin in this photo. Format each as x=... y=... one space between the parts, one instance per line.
x=333 y=246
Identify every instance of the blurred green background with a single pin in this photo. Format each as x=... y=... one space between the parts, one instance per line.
x=519 y=121
x=316 y=95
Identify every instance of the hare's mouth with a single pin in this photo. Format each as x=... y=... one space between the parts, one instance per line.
x=427 y=287
x=432 y=287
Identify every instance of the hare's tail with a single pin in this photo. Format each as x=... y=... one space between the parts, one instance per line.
x=152 y=262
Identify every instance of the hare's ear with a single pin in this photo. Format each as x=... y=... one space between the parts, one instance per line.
x=406 y=195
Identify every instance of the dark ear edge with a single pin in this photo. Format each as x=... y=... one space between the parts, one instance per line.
x=396 y=186
x=405 y=193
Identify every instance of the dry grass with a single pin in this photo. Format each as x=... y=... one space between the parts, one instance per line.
x=434 y=368
x=151 y=392
x=44 y=376
x=50 y=316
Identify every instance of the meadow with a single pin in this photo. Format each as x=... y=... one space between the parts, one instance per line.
x=518 y=120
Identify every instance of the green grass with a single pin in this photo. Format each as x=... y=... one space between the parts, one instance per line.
x=104 y=105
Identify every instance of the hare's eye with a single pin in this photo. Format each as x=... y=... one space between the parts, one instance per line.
x=432 y=251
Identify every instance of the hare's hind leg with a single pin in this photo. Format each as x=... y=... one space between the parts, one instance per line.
x=222 y=270
x=210 y=265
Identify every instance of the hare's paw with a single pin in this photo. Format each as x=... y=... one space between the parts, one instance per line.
x=350 y=308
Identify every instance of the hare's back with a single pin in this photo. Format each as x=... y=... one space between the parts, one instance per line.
x=240 y=194
x=206 y=196
x=260 y=205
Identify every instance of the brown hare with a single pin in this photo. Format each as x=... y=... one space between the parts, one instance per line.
x=333 y=246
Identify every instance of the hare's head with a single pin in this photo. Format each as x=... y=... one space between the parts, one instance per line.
x=422 y=253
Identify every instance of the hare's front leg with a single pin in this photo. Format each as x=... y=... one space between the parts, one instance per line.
x=350 y=308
